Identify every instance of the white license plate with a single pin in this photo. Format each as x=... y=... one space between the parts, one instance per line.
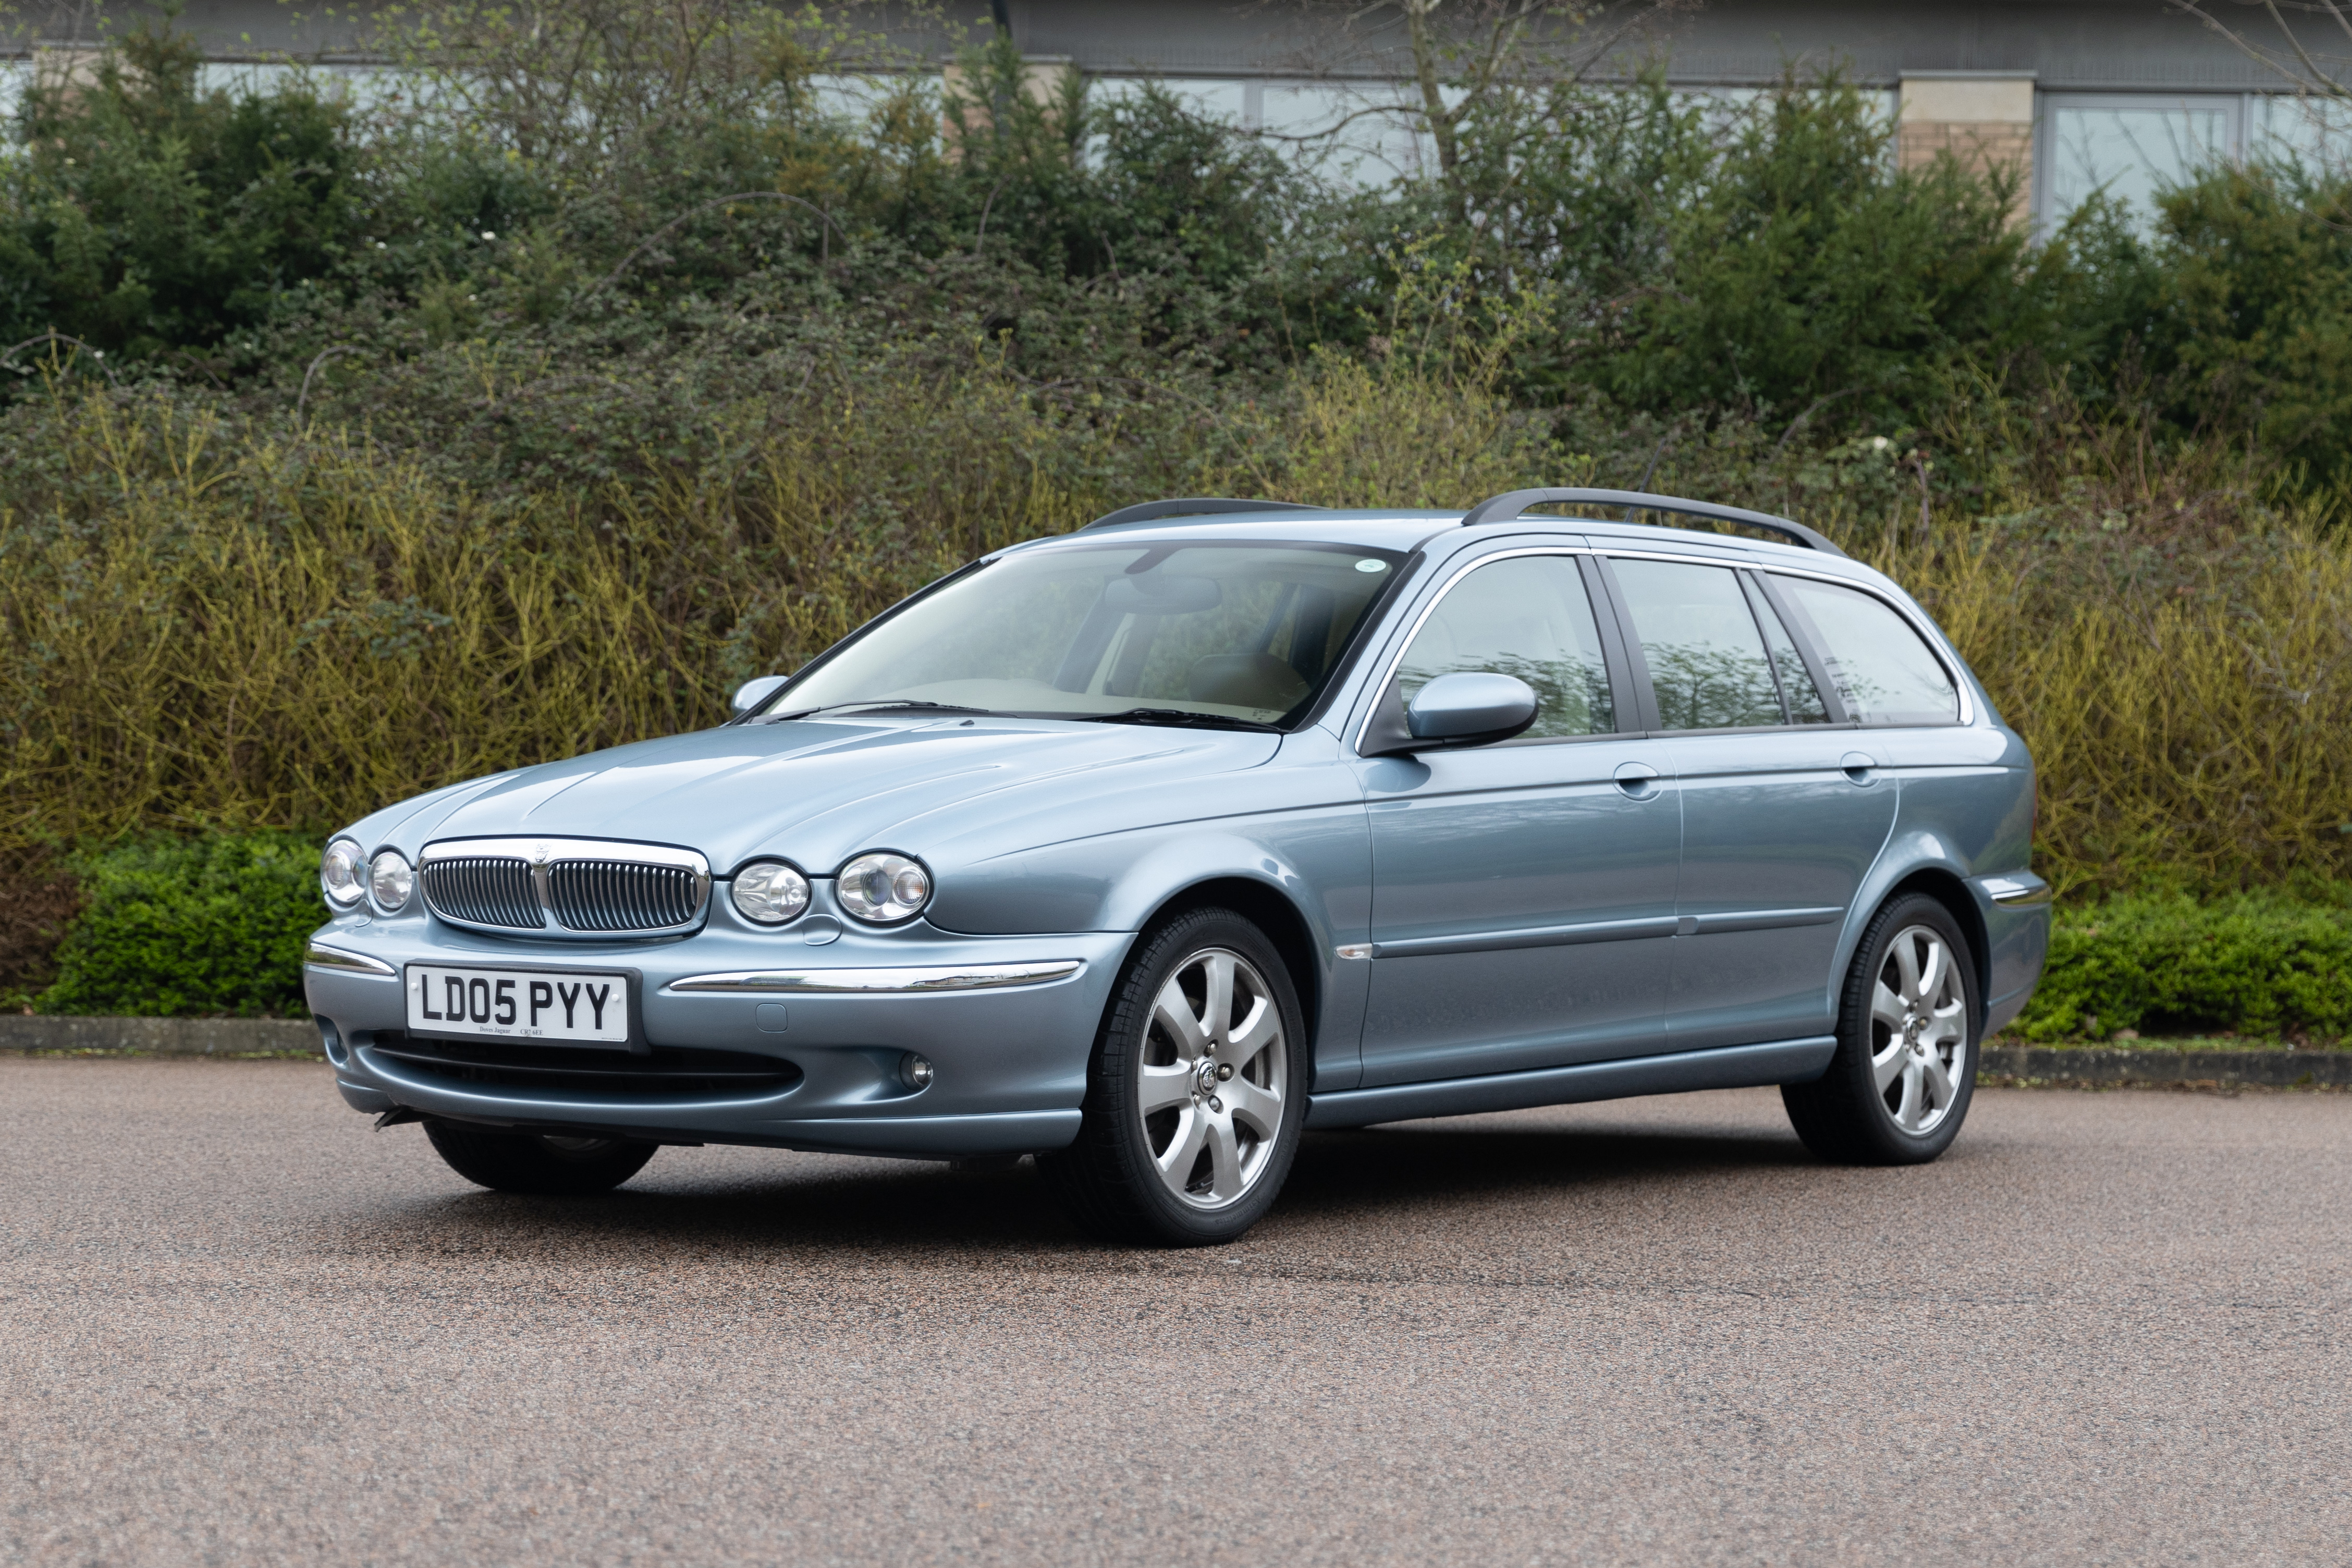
x=520 y=1004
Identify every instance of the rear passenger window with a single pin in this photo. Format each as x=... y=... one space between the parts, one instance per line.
x=1707 y=658
x=1883 y=672
x=1802 y=697
x=1526 y=615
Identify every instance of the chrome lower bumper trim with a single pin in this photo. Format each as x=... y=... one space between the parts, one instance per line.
x=870 y=982
x=319 y=956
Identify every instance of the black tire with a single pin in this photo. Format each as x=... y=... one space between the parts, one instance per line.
x=545 y=1165
x=1853 y=1115
x=1110 y=1180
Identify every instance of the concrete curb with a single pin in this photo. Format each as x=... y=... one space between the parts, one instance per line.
x=2106 y=1066
x=161 y=1037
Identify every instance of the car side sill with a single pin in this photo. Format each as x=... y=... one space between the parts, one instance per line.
x=1726 y=1066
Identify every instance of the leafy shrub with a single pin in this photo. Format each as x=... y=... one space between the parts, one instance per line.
x=2258 y=283
x=205 y=925
x=146 y=215
x=2256 y=964
x=1804 y=264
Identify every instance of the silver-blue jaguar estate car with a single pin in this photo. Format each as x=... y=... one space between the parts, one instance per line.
x=1144 y=848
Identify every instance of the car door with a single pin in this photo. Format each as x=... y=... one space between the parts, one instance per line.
x=1522 y=892
x=1785 y=807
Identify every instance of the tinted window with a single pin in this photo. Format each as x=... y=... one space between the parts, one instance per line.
x=1527 y=617
x=1707 y=658
x=1798 y=693
x=1883 y=672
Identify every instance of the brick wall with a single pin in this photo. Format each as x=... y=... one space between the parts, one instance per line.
x=1986 y=122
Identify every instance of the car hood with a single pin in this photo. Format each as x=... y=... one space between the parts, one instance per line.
x=818 y=792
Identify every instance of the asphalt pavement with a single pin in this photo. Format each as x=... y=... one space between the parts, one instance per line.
x=238 y=1326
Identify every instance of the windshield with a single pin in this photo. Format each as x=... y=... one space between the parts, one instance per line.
x=1237 y=633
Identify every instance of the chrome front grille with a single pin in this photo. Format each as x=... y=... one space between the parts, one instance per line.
x=565 y=886
x=621 y=895
x=483 y=889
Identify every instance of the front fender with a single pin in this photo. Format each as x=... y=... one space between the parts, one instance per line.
x=1317 y=860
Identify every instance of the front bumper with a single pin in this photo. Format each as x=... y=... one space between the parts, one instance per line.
x=1007 y=1022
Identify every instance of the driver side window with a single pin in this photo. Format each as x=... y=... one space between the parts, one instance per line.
x=1527 y=615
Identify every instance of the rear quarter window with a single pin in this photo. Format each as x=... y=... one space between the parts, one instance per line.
x=1883 y=670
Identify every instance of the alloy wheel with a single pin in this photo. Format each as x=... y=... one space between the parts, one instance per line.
x=1918 y=1030
x=1214 y=1077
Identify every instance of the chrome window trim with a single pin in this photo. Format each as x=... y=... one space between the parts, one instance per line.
x=319 y=955
x=883 y=981
x=1373 y=691
x=539 y=854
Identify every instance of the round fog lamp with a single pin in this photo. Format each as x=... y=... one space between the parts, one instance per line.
x=339 y=873
x=771 y=892
x=915 y=1071
x=391 y=880
x=884 y=889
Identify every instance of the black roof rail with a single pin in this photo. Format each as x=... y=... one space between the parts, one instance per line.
x=1505 y=508
x=1192 y=506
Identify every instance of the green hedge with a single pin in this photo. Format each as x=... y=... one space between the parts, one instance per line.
x=2251 y=964
x=214 y=925
x=209 y=925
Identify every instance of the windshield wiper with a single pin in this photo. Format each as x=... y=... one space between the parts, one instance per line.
x=898 y=704
x=1180 y=717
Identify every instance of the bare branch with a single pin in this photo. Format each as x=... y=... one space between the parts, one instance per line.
x=324 y=354
x=54 y=336
x=2313 y=77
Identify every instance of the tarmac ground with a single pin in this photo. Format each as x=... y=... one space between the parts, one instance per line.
x=238 y=1326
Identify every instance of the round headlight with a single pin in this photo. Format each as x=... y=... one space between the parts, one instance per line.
x=339 y=872
x=884 y=889
x=771 y=893
x=391 y=880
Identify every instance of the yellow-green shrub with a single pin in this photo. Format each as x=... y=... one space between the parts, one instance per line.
x=212 y=627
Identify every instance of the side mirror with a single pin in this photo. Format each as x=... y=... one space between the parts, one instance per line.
x=753 y=692
x=1470 y=708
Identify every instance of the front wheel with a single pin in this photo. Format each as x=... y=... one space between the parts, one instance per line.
x=547 y=1164
x=1899 y=1085
x=1196 y=1091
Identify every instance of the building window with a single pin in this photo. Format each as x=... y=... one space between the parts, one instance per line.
x=2129 y=146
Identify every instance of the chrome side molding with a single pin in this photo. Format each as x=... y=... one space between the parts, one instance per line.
x=2016 y=890
x=884 y=981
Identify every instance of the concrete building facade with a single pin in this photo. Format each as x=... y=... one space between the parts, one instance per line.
x=2077 y=95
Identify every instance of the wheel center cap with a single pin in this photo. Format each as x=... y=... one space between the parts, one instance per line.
x=1204 y=1077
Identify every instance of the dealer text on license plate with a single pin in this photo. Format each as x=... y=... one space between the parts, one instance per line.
x=519 y=1003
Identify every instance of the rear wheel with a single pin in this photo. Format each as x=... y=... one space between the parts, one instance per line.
x=547 y=1164
x=1900 y=1083
x=1196 y=1092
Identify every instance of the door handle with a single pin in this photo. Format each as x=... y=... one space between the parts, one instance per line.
x=1859 y=766
x=1639 y=780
